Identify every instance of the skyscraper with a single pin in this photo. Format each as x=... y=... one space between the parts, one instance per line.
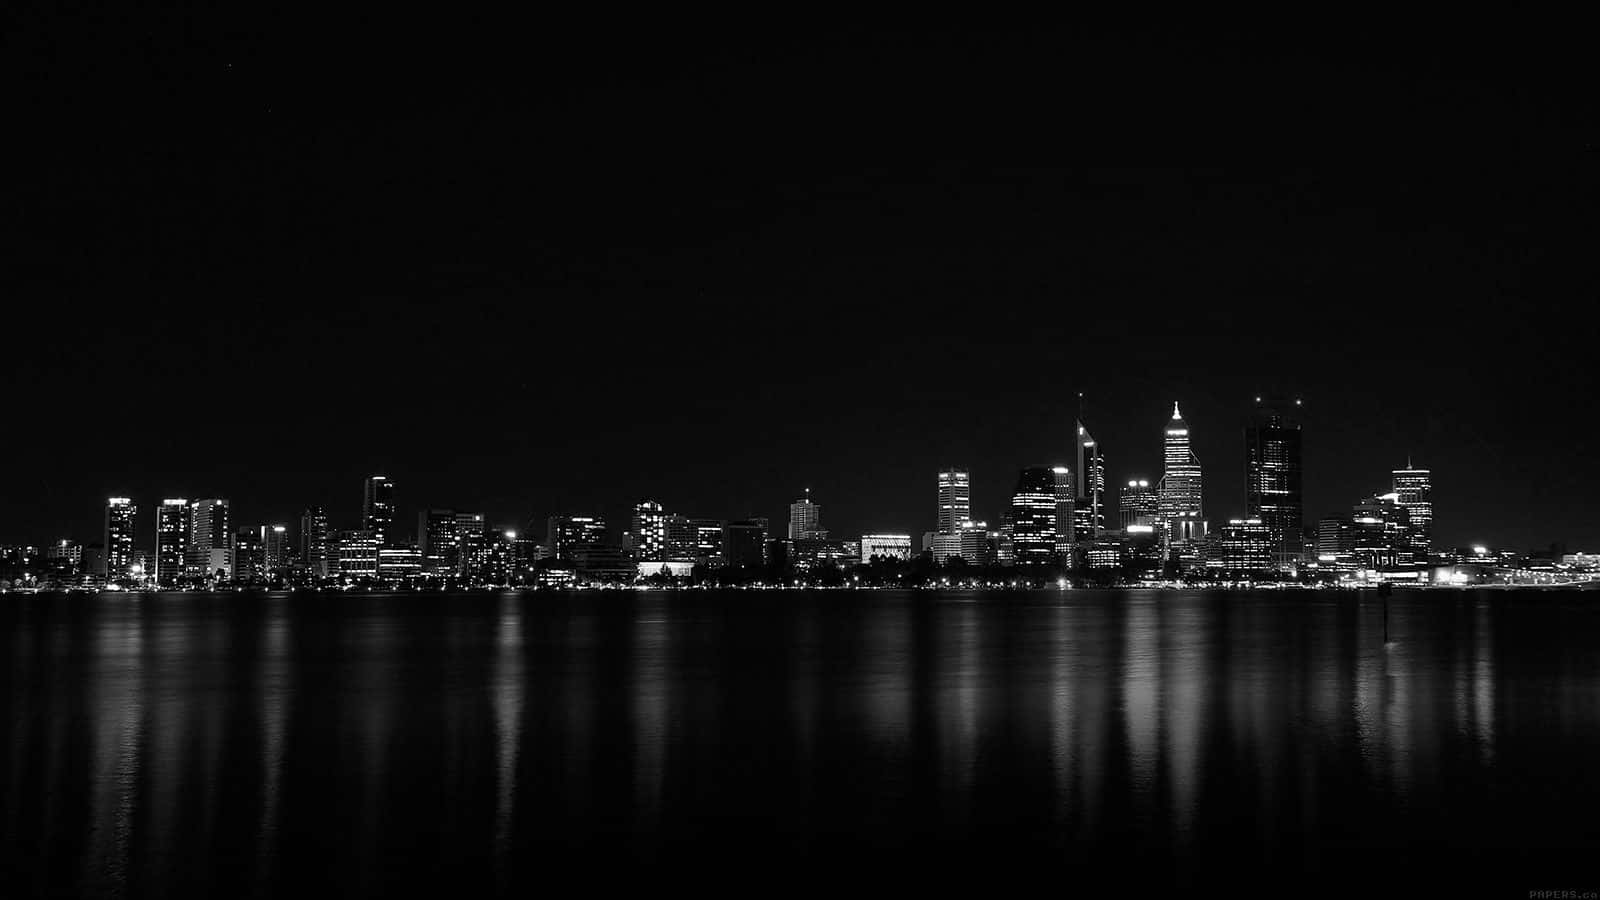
x=274 y=548
x=649 y=531
x=249 y=563
x=172 y=540
x=955 y=500
x=1139 y=505
x=1180 y=490
x=805 y=520
x=1065 y=530
x=1273 y=481
x=1091 y=493
x=1033 y=517
x=121 y=516
x=210 y=538
x=1414 y=489
x=438 y=542
x=377 y=509
x=317 y=552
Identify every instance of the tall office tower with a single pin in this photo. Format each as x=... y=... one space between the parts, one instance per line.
x=1091 y=494
x=955 y=500
x=1414 y=488
x=377 y=509
x=572 y=537
x=316 y=546
x=805 y=520
x=649 y=531
x=472 y=536
x=249 y=556
x=744 y=543
x=172 y=540
x=1139 y=505
x=1066 y=533
x=1180 y=489
x=121 y=516
x=1272 y=479
x=438 y=542
x=274 y=548
x=1033 y=517
x=210 y=539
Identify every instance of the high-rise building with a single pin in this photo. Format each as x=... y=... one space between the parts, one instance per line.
x=955 y=500
x=438 y=542
x=1273 y=480
x=210 y=539
x=472 y=535
x=572 y=537
x=1243 y=545
x=172 y=541
x=1066 y=531
x=649 y=531
x=1139 y=505
x=249 y=555
x=275 y=548
x=1182 y=514
x=1033 y=517
x=1381 y=533
x=1090 y=520
x=805 y=520
x=1414 y=490
x=377 y=509
x=317 y=552
x=744 y=543
x=121 y=517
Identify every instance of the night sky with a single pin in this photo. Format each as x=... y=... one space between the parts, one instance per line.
x=559 y=268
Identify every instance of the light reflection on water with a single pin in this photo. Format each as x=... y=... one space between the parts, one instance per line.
x=187 y=744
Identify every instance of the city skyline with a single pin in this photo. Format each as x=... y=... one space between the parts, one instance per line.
x=378 y=509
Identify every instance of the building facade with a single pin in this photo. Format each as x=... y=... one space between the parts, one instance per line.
x=121 y=518
x=172 y=541
x=210 y=552
x=1273 y=480
x=377 y=508
x=1033 y=517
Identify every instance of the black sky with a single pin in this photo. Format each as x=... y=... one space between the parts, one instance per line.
x=554 y=267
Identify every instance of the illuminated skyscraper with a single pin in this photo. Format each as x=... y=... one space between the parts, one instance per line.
x=805 y=520
x=1272 y=479
x=377 y=509
x=572 y=538
x=317 y=552
x=1065 y=530
x=438 y=542
x=121 y=516
x=1090 y=519
x=1414 y=489
x=1180 y=490
x=274 y=548
x=1139 y=505
x=210 y=539
x=649 y=531
x=955 y=500
x=172 y=541
x=249 y=563
x=1033 y=517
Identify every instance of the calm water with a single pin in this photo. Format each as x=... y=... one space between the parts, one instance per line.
x=745 y=741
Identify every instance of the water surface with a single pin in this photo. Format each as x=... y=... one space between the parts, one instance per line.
x=275 y=745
